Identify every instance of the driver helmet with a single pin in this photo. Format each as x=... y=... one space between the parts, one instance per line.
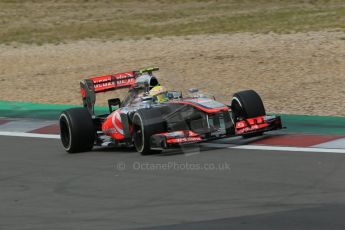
x=159 y=93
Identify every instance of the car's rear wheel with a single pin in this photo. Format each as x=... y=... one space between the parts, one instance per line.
x=247 y=104
x=146 y=122
x=77 y=131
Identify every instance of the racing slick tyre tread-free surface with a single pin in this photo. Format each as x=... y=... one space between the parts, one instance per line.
x=247 y=104
x=77 y=130
x=146 y=122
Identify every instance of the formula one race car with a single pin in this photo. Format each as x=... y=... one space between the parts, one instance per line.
x=151 y=125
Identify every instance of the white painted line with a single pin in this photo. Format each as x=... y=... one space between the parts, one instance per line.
x=37 y=135
x=292 y=149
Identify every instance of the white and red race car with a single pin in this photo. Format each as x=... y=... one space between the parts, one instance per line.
x=140 y=121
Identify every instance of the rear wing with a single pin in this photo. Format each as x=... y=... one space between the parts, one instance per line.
x=113 y=82
x=90 y=87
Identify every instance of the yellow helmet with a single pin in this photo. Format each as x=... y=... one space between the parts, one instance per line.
x=159 y=93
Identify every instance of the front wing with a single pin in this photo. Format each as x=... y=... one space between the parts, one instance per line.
x=248 y=127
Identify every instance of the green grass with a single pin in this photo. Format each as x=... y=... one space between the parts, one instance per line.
x=56 y=21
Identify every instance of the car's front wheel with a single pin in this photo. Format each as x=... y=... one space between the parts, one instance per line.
x=247 y=104
x=146 y=122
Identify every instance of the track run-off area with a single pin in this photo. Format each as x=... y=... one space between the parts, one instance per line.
x=289 y=179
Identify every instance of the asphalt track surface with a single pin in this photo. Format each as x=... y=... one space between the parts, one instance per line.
x=42 y=187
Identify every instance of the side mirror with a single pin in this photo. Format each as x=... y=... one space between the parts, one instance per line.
x=174 y=94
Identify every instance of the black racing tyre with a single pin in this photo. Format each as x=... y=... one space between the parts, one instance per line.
x=77 y=131
x=146 y=122
x=247 y=104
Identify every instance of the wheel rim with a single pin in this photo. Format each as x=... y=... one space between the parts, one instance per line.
x=237 y=110
x=64 y=133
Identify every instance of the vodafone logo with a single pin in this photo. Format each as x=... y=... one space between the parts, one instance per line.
x=116 y=120
x=100 y=85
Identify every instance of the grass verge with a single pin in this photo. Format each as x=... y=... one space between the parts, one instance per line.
x=57 y=21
